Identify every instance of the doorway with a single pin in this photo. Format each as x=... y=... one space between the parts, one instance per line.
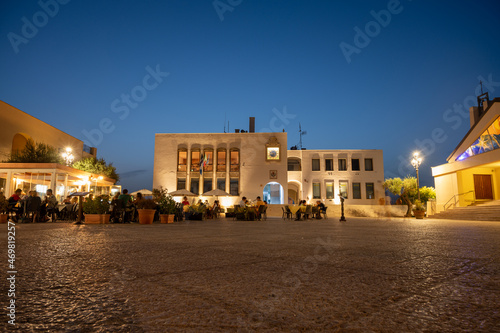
x=482 y=187
x=273 y=193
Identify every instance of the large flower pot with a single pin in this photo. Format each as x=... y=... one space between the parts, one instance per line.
x=92 y=218
x=419 y=214
x=167 y=218
x=4 y=218
x=105 y=218
x=146 y=216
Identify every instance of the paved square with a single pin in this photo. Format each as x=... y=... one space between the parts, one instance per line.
x=233 y=276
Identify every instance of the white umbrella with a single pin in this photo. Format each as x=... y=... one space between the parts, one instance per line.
x=182 y=193
x=217 y=192
x=144 y=192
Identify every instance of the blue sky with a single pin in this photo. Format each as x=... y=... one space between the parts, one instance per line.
x=402 y=86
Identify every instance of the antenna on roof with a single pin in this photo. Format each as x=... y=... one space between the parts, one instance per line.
x=225 y=123
x=301 y=132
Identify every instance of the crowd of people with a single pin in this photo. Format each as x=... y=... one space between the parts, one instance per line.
x=32 y=206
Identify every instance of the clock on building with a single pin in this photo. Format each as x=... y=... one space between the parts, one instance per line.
x=273 y=150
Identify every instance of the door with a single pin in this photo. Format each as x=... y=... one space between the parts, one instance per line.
x=482 y=187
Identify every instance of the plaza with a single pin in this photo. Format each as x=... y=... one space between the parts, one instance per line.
x=381 y=275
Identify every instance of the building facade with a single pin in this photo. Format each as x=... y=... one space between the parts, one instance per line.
x=259 y=164
x=472 y=173
x=16 y=128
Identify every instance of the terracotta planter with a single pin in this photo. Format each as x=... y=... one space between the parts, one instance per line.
x=146 y=216
x=105 y=218
x=419 y=214
x=4 y=218
x=92 y=218
x=167 y=218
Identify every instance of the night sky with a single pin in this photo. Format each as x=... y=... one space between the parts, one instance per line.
x=396 y=76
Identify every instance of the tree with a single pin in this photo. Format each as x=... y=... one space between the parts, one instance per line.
x=407 y=191
x=35 y=152
x=98 y=166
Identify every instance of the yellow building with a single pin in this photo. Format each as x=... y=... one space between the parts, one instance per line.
x=16 y=128
x=472 y=173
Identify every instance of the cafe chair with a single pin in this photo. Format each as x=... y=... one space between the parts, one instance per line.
x=287 y=214
x=262 y=212
x=323 y=213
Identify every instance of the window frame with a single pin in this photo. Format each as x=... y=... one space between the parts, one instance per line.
x=371 y=163
x=313 y=164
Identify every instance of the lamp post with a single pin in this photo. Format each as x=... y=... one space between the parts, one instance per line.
x=68 y=156
x=416 y=161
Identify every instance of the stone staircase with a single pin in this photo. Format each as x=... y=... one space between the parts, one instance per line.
x=488 y=211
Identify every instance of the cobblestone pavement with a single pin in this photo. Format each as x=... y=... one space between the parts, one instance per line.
x=364 y=275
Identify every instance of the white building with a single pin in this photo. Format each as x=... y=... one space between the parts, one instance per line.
x=258 y=164
x=472 y=173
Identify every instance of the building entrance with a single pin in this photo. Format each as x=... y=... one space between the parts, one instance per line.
x=273 y=193
x=482 y=187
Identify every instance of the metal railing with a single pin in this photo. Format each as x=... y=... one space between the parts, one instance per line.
x=457 y=196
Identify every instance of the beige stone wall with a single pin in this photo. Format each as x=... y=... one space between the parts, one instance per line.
x=305 y=178
x=14 y=121
x=254 y=169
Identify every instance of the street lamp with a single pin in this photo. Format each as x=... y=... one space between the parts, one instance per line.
x=416 y=161
x=68 y=156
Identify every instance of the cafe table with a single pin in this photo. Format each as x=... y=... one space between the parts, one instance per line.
x=295 y=208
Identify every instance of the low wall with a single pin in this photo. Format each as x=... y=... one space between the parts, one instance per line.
x=351 y=210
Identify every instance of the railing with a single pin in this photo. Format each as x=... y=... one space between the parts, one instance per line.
x=457 y=196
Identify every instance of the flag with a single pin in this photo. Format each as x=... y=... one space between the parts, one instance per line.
x=202 y=163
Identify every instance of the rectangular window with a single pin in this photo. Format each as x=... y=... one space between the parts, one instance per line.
x=221 y=184
x=316 y=191
x=329 y=164
x=235 y=160
x=370 y=191
x=195 y=161
x=207 y=185
x=181 y=183
x=182 y=161
x=355 y=164
x=195 y=186
x=234 y=186
x=342 y=164
x=315 y=164
x=221 y=161
x=343 y=188
x=208 y=164
x=368 y=164
x=356 y=190
x=329 y=190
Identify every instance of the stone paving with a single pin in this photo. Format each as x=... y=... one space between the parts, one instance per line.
x=364 y=275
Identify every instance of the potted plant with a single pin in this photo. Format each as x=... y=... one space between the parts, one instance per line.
x=419 y=210
x=146 y=209
x=4 y=207
x=166 y=205
x=95 y=210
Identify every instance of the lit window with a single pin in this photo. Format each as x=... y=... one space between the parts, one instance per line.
x=195 y=161
x=182 y=161
x=208 y=164
x=221 y=160
x=329 y=190
x=235 y=160
x=316 y=191
x=343 y=188
x=370 y=191
x=356 y=190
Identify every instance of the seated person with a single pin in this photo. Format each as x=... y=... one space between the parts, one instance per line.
x=321 y=209
x=243 y=201
x=185 y=201
x=33 y=205
x=127 y=202
x=49 y=207
x=298 y=215
x=14 y=200
x=258 y=203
